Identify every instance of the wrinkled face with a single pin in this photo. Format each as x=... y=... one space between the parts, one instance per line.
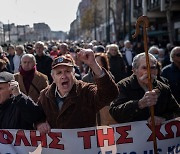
x=27 y=63
x=176 y=57
x=141 y=71
x=19 y=51
x=39 y=49
x=113 y=51
x=11 y=51
x=64 y=77
x=128 y=45
x=63 y=49
x=4 y=92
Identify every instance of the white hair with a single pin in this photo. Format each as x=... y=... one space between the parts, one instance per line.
x=31 y=56
x=110 y=46
x=39 y=43
x=173 y=51
x=127 y=41
x=20 y=47
x=152 y=49
x=135 y=63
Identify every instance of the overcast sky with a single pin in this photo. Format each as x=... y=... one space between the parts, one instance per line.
x=58 y=14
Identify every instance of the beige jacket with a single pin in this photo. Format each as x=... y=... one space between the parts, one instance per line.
x=40 y=81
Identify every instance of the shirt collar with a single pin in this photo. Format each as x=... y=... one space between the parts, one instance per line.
x=58 y=94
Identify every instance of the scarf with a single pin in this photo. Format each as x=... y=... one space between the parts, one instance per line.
x=27 y=77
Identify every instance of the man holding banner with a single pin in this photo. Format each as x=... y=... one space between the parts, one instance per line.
x=17 y=111
x=134 y=99
x=69 y=103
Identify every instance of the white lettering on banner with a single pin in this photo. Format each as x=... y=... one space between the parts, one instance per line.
x=38 y=150
x=127 y=138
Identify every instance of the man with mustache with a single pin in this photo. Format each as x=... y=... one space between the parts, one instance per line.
x=134 y=99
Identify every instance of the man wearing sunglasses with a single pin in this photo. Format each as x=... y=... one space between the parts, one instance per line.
x=135 y=99
x=70 y=103
x=172 y=72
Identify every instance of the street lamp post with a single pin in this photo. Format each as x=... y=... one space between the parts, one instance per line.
x=129 y=20
x=107 y=21
x=124 y=18
x=95 y=24
x=9 y=30
x=24 y=29
x=4 y=34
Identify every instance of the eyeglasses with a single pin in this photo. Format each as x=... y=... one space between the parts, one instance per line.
x=177 y=55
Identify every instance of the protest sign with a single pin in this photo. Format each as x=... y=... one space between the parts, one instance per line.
x=126 y=138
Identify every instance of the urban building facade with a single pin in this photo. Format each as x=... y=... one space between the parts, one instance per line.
x=1 y=33
x=118 y=18
x=11 y=33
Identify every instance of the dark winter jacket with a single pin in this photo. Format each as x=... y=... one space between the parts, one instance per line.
x=117 y=67
x=172 y=73
x=125 y=108
x=81 y=104
x=44 y=65
x=19 y=113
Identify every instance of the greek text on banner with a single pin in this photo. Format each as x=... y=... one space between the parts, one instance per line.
x=127 y=138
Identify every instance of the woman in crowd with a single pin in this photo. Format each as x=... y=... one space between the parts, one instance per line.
x=117 y=65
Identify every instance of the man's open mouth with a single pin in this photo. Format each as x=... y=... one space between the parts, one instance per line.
x=65 y=84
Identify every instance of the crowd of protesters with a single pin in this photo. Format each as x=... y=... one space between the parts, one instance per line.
x=82 y=84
